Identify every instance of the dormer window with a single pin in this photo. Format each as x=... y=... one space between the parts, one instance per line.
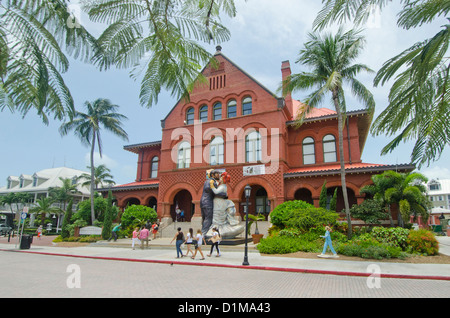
x=434 y=185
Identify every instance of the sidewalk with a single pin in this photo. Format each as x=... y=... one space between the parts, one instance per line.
x=162 y=251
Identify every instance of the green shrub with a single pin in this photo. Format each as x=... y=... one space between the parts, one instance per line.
x=284 y=211
x=370 y=248
x=423 y=242
x=301 y=215
x=287 y=243
x=310 y=217
x=395 y=236
x=137 y=215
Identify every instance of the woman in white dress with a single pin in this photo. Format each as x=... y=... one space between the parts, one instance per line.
x=224 y=213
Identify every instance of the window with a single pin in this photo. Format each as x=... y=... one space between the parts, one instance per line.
x=434 y=185
x=35 y=181
x=309 y=155
x=74 y=180
x=204 y=113
x=253 y=147
x=217 y=111
x=154 y=167
x=184 y=155
x=329 y=149
x=231 y=109
x=190 y=116
x=247 y=106
x=216 y=151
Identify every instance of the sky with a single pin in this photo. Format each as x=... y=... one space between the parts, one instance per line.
x=263 y=34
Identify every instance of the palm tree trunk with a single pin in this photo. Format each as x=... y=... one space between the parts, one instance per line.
x=92 y=178
x=341 y=160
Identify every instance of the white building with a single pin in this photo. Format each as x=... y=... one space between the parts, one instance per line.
x=38 y=185
x=439 y=193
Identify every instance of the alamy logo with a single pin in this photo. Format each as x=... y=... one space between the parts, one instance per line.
x=374 y=280
x=74 y=279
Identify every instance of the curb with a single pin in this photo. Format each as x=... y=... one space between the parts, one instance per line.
x=270 y=268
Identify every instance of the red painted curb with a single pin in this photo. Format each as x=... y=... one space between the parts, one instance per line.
x=270 y=268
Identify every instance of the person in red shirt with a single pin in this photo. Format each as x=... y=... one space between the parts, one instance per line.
x=154 y=229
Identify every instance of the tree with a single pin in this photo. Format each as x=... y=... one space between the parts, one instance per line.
x=64 y=193
x=87 y=126
x=34 y=37
x=43 y=207
x=101 y=176
x=330 y=59
x=323 y=196
x=419 y=97
x=161 y=36
x=333 y=201
x=370 y=211
x=107 y=221
x=65 y=232
x=404 y=189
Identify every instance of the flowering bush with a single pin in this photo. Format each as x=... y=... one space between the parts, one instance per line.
x=423 y=242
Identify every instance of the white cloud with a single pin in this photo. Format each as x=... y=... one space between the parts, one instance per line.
x=104 y=160
x=436 y=172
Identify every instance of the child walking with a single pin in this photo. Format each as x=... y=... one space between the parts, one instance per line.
x=328 y=242
x=200 y=240
x=135 y=238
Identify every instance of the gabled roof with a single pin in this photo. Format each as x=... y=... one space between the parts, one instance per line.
x=51 y=179
x=219 y=53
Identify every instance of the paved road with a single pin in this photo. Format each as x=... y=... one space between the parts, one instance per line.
x=48 y=276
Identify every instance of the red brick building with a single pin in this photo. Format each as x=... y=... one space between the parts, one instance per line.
x=234 y=123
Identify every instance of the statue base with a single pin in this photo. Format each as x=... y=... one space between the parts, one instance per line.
x=231 y=241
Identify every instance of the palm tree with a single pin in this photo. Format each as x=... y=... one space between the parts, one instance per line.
x=43 y=207
x=407 y=190
x=32 y=37
x=419 y=97
x=101 y=176
x=330 y=59
x=65 y=192
x=100 y=113
x=159 y=38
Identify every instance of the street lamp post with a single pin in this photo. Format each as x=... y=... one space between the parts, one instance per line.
x=247 y=191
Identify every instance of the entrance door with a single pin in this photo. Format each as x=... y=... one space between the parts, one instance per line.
x=262 y=204
x=184 y=201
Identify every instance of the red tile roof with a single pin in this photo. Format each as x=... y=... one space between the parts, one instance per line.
x=136 y=185
x=349 y=168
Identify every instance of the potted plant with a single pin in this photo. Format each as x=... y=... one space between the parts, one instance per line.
x=255 y=218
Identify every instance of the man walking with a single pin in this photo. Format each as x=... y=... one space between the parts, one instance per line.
x=114 y=232
x=143 y=236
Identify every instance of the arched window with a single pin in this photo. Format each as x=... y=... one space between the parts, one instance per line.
x=247 y=106
x=217 y=111
x=309 y=155
x=216 y=151
x=154 y=167
x=203 y=113
x=184 y=155
x=329 y=149
x=231 y=109
x=190 y=116
x=253 y=147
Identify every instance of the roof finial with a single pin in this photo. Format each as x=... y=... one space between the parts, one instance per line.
x=218 y=48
